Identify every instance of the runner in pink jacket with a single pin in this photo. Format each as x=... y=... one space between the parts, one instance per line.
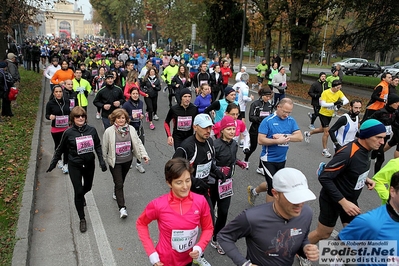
x=180 y=215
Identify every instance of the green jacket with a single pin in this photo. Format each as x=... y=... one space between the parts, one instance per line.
x=83 y=89
x=169 y=72
x=383 y=179
x=261 y=69
x=330 y=80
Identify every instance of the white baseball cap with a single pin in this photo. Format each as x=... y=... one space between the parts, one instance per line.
x=293 y=184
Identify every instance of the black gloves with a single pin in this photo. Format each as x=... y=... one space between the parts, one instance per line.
x=339 y=102
x=103 y=166
x=246 y=151
x=280 y=84
x=219 y=175
x=51 y=167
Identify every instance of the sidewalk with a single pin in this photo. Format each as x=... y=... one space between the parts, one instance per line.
x=45 y=229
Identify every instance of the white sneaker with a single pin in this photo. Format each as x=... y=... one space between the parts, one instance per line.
x=123 y=213
x=98 y=116
x=307 y=136
x=65 y=169
x=241 y=143
x=156 y=118
x=260 y=171
x=326 y=153
x=60 y=164
x=113 y=195
x=140 y=168
x=310 y=115
x=201 y=261
x=311 y=127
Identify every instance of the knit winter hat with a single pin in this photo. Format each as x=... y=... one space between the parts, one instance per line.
x=3 y=64
x=227 y=121
x=392 y=98
x=184 y=91
x=371 y=127
x=228 y=90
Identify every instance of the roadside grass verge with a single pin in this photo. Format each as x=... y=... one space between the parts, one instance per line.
x=15 y=149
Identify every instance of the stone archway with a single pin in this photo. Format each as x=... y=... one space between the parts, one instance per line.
x=65 y=29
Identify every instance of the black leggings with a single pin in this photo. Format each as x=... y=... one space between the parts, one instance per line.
x=119 y=172
x=223 y=208
x=57 y=139
x=152 y=106
x=253 y=140
x=316 y=110
x=76 y=173
x=171 y=94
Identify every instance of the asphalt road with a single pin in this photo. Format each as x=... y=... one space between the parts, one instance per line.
x=109 y=240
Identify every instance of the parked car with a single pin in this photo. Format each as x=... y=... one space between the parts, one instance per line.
x=349 y=62
x=393 y=70
x=396 y=65
x=367 y=69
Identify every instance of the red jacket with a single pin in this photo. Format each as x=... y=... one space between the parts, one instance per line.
x=226 y=74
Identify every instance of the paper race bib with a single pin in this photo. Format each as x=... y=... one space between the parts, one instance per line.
x=225 y=189
x=184 y=123
x=264 y=113
x=183 y=240
x=203 y=82
x=71 y=104
x=84 y=144
x=81 y=90
x=136 y=115
x=262 y=74
x=203 y=170
x=122 y=149
x=61 y=121
x=361 y=180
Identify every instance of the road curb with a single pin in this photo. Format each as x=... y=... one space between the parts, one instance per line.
x=26 y=212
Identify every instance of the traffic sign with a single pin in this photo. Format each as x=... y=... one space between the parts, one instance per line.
x=169 y=40
x=149 y=26
x=132 y=35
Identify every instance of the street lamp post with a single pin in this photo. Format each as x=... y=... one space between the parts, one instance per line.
x=324 y=39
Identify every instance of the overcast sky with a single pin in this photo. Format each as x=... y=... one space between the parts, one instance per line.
x=86 y=8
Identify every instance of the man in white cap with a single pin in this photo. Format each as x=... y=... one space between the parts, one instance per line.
x=274 y=231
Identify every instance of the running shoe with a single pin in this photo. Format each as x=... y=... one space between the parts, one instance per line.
x=60 y=164
x=311 y=127
x=114 y=196
x=326 y=153
x=140 y=168
x=152 y=127
x=310 y=115
x=156 y=118
x=98 y=116
x=201 y=261
x=260 y=171
x=251 y=196
x=65 y=169
x=320 y=169
x=123 y=213
x=216 y=245
x=307 y=136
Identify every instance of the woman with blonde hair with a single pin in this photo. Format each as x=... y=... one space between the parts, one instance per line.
x=120 y=144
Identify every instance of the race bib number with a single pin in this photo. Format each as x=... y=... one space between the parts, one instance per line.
x=61 y=121
x=225 y=189
x=203 y=170
x=203 y=82
x=84 y=144
x=122 y=149
x=136 y=115
x=94 y=72
x=262 y=74
x=389 y=130
x=71 y=103
x=183 y=240
x=361 y=180
x=263 y=113
x=81 y=90
x=184 y=123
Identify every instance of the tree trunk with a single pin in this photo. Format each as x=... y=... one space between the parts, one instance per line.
x=296 y=68
x=268 y=44
x=3 y=45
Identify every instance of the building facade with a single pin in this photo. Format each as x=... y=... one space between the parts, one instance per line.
x=67 y=21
